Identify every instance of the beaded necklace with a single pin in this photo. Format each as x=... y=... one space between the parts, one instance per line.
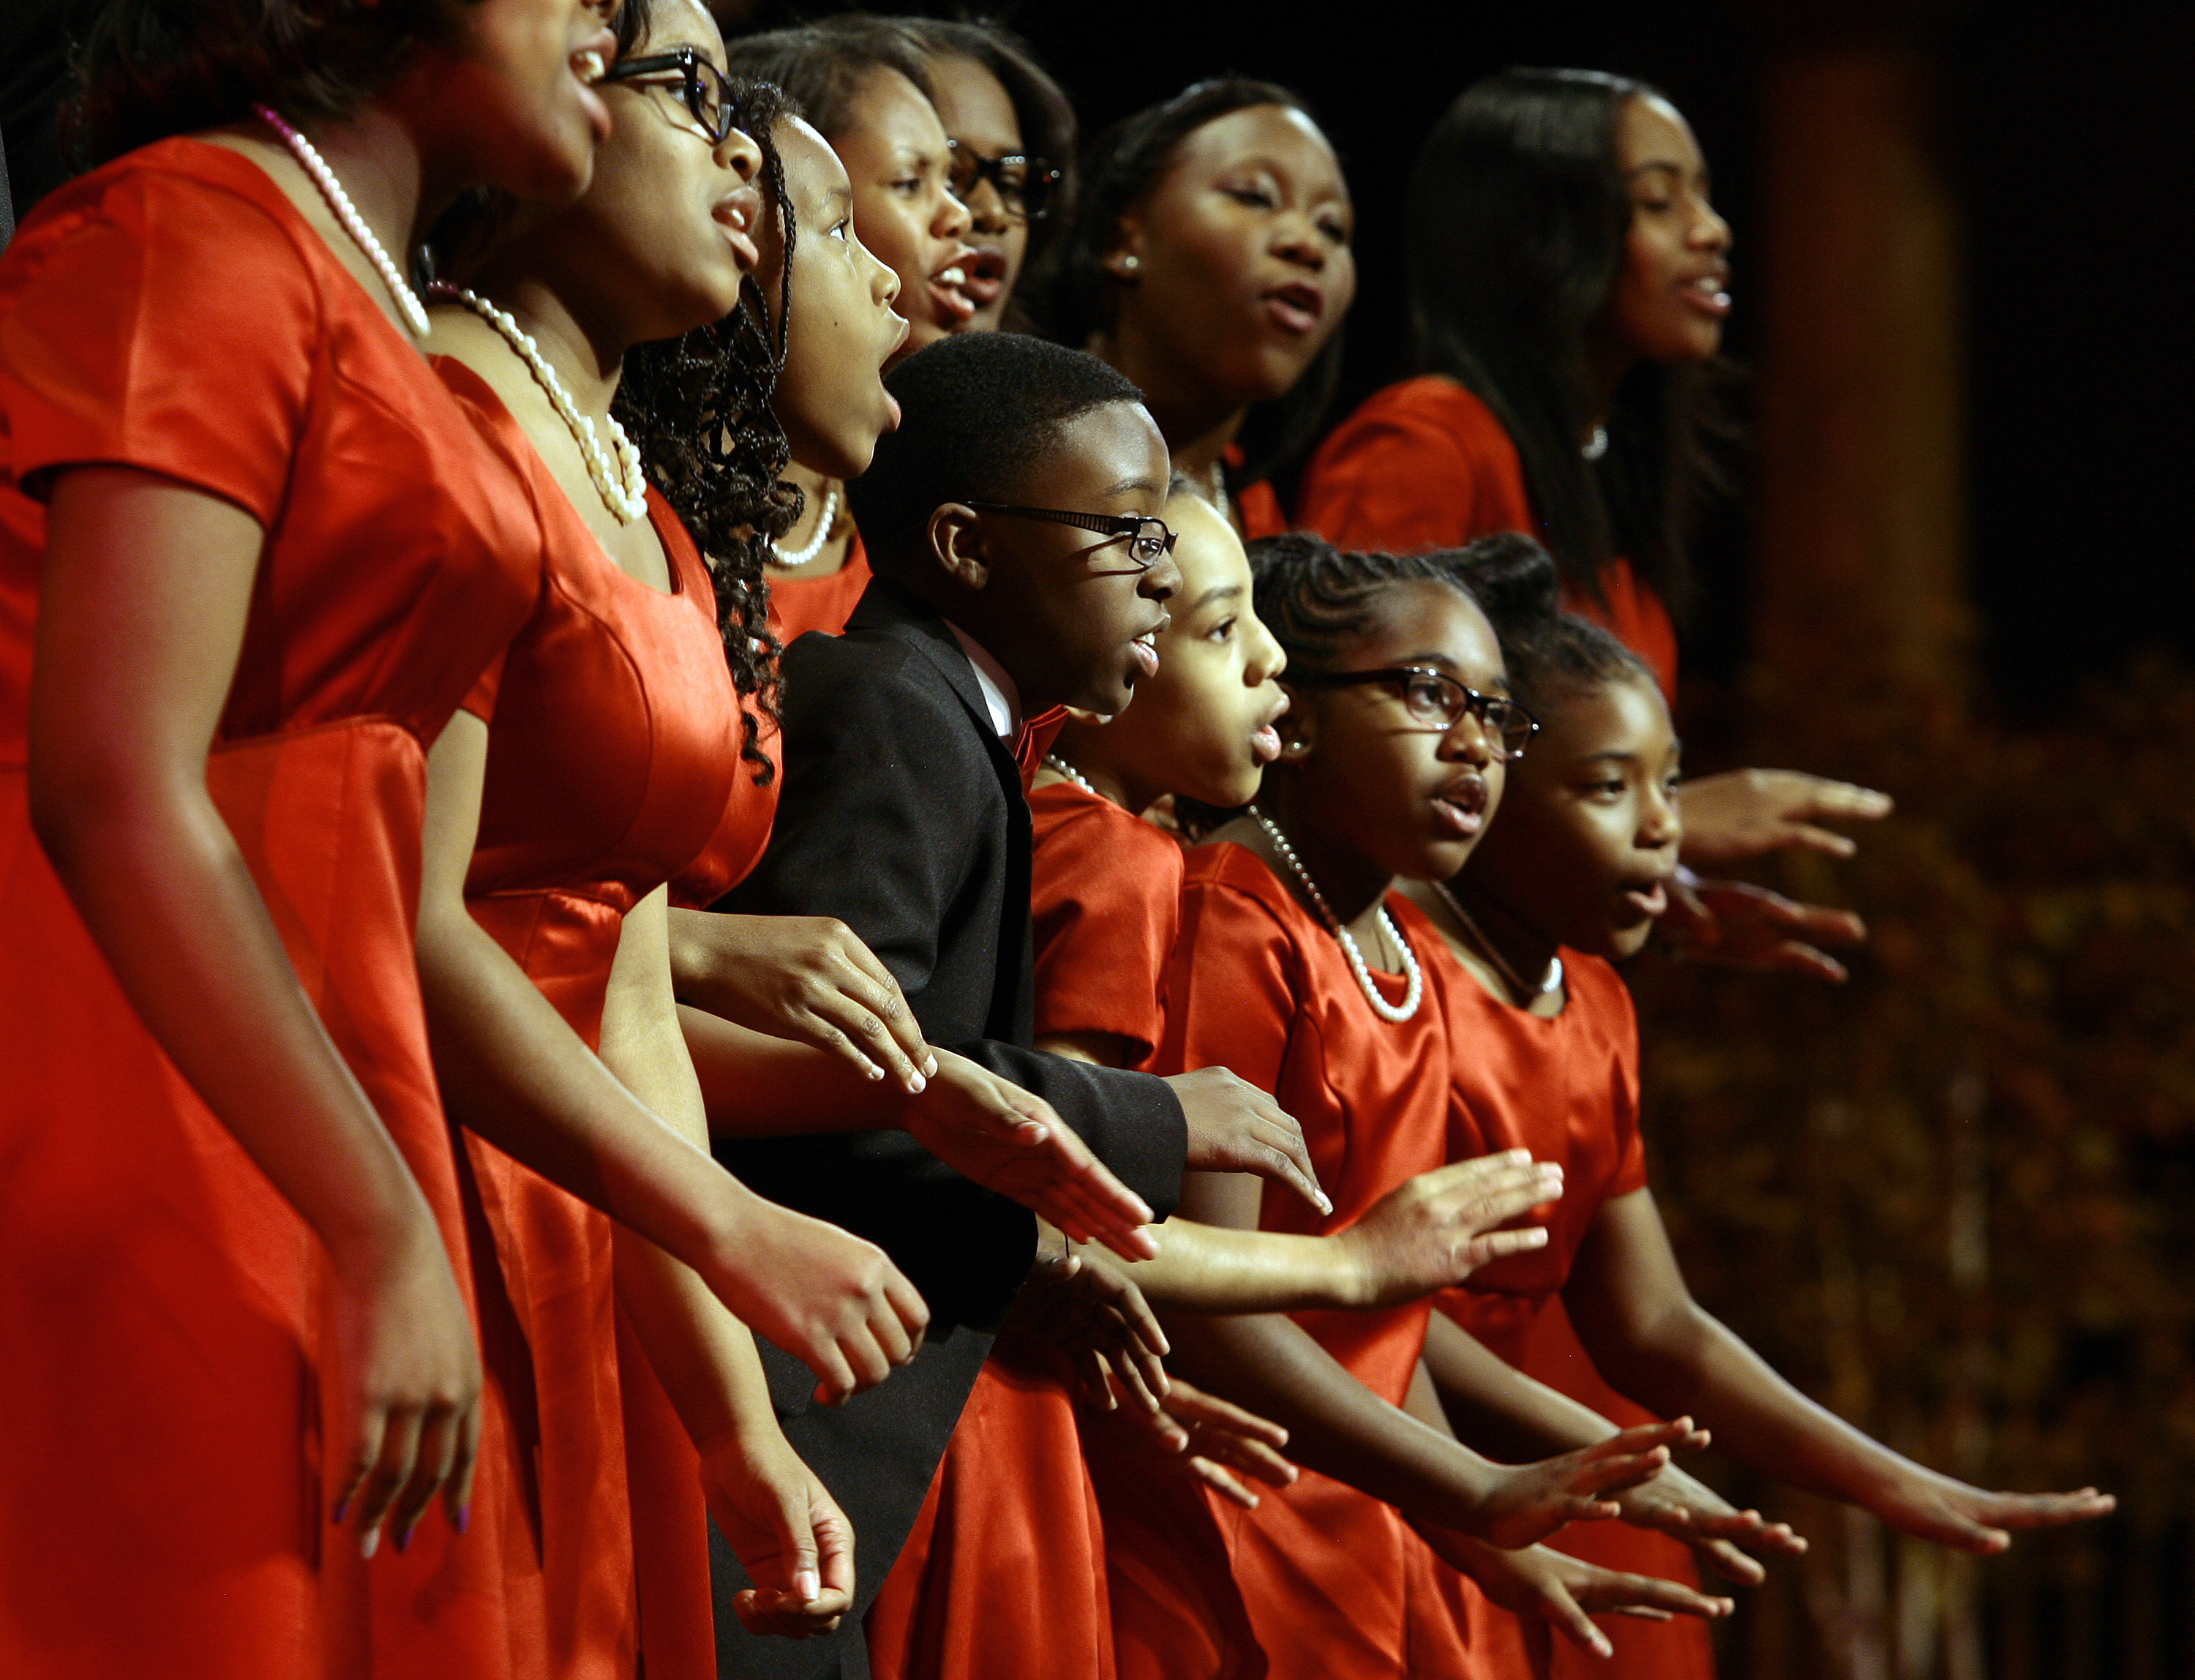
x=1386 y=1011
x=310 y=160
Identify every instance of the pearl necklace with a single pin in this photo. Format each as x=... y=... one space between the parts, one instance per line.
x=1492 y=952
x=309 y=159
x=1053 y=761
x=1386 y=1011
x=614 y=466
x=814 y=547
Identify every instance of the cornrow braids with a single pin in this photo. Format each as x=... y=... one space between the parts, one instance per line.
x=1514 y=578
x=698 y=408
x=1556 y=658
x=1317 y=599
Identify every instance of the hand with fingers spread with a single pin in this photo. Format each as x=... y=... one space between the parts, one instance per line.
x=1086 y=1307
x=1435 y=1230
x=834 y=1302
x=1210 y=1438
x=1688 y=1509
x=1542 y=1584
x=1741 y=925
x=1007 y=1140
x=1532 y=1501
x=1743 y=814
x=408 y=1388
x=786 y=1531
x=1931 y=1506
x=1236 y=1127
x=805 y=977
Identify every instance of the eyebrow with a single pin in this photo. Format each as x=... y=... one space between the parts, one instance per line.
x=1217 y=592
x=1128 y=485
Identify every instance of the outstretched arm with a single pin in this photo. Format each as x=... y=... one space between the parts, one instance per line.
x=1654 y=1342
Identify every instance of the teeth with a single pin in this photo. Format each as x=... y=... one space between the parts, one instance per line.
x=952 y=277
x=591 y=68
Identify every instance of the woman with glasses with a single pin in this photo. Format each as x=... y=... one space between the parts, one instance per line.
x=1013 y=139
x=253 y=557
x=864 y=84
x=1210 y=261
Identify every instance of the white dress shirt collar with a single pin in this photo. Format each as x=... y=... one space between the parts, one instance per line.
x=1000 y=697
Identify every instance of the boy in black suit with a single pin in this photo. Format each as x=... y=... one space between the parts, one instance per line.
x=1011 y=522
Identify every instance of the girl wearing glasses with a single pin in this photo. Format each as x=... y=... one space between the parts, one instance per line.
x=265 y=556
x=1570 y=879
x=1297 y=966
x=1211 y=263
x=864 y=82
x=1568 y=280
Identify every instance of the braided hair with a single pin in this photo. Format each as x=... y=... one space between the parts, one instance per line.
x=698 y=408
x=1551 y=655
x=1317 y=599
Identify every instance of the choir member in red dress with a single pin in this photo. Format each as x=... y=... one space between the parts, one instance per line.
x=1568 y=280
x=1210 y=261
x=864 y=84
x=1570 y=877
x=1297 y=966
x=263 y=556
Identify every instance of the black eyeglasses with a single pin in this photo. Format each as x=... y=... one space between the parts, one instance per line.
x=1024 y=184
x=707 y=95
x=1149 y=540
x=1435 y=698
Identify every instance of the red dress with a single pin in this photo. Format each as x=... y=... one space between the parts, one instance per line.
x=1335 y=1582
x=824 y=602
x=1425 y=465
x=612 y=765
x=1567 y=1089
x=1004 y=1571
x=162 y=1506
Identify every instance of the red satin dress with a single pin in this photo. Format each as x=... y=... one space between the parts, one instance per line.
x=1337 y=1585
x=162 y=1498
x=824 y=602
x=1424 y=465
x=1567 y=1089
x=1006 y=1569
x=612 y=763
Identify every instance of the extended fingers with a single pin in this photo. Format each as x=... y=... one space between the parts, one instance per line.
x=458 y=1491
x=882 y=995
x=1221 y=1482
x=2047 y=1511
x=1614 y=1593
x=392 y=1468
x=1288 y=1160
x=430 y=1470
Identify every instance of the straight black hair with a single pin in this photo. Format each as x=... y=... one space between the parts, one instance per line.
x=822 y=66
x=1519 y=213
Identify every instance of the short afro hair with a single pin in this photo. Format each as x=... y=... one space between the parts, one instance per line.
x=822 y=66
x=979 y=410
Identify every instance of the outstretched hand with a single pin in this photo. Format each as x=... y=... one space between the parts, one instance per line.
x=1688 y=1509
x=1089 y=1309
x=1744 y=814
x=1435 y=1230
x=1204 y=1437
x=1236 y=1127
x=1736 y=923
x=1532 y=1501
x=786 y=1531
x=1008 y=1140
x=1541 y=1584
x=1933 y=1507
x=805 y=977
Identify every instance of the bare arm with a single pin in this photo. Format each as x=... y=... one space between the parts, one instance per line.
x=147 y=588
x=513 y=1071
x=794 y=1542
x=1659 y=1346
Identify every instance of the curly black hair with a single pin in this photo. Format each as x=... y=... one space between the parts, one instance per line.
x=698 y=408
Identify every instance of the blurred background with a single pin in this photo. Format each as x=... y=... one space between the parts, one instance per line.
x=1956 y=1199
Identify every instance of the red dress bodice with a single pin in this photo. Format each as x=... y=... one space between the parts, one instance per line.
x=172 y=312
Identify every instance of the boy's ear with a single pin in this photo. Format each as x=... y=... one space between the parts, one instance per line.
x=1298 y=726
x=956 y=543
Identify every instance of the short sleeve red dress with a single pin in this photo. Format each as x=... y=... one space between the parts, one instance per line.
x=612 y=765
x=1006 y=1569
x=1567 y=1089
x=1426 y=463
x=163 y=1498
x=824 y=603
x=1258 y=984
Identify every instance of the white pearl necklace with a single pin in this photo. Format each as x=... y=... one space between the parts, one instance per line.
x=1386 y=1011
x=615 y=466
x=813 y=545
x=1053 y=761
x=1518 y=986
x=308 y=158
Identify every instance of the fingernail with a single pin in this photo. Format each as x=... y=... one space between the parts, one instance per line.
x=464 y=1518
x=929 y=1066
x=370 y=1544
x=809 y=1584
x=921 y=1084
x=342 y=1510
x=871 y=1071
x=1601 y=1647
x=404 y=1539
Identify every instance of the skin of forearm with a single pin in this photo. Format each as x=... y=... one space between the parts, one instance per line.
x=1209 y=1268
x=1511 y=1417
x=755 y=1085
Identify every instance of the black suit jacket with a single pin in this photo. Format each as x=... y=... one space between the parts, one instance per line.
x=903 y=815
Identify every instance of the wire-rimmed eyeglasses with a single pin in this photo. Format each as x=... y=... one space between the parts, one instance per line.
x=1149 y=539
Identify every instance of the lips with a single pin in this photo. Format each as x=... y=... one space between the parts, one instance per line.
x=1144 y=648
x=1648 y=899
x=1265 y=739
x=986 y=271
x=1460 y=807
x=1709 y=293
x=950 y=304
x=736 y=213
x=588 y=65
x=1295 y=307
